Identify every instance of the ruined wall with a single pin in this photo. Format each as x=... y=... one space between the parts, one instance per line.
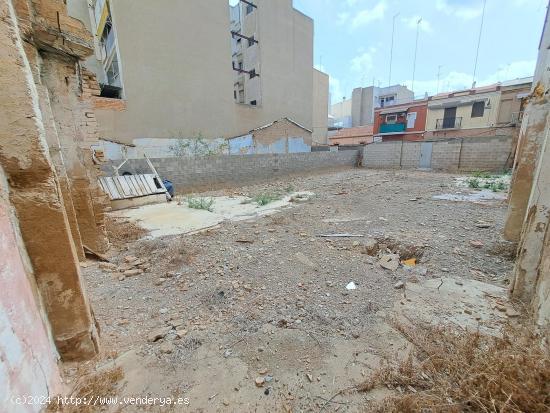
x=213 y=172
x=28 y=356
x=76 y=128
x=35 y=190
x=529 y=204
x=473 y=154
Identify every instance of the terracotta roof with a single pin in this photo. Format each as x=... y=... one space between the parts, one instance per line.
x=357 y=132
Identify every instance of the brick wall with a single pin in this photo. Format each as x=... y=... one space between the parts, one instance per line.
x=468 y=154
x=192 y=174
x=281 y=129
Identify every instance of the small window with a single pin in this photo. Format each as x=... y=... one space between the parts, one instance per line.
x=253 y=102
x=478 y=108
x=235 y=94
x=239 y=40
x=252 y=73
x=249 y=8
x=251 y=41
x=391 y=118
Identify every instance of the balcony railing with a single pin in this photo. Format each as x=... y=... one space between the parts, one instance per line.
x=392 y=127
x=448 y=123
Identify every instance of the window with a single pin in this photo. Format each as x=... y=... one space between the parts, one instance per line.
x=478 y=108
x=252 y=73
x=387 y=100
x=253 y=102
x=391 y=118
x=251 y=41
x=235 y=94
x=249 y=8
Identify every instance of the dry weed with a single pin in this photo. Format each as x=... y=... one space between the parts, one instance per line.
x=460 y=371
x=94 y=386
x=122 y=232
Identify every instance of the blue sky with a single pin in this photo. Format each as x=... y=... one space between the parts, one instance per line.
x=353 y=39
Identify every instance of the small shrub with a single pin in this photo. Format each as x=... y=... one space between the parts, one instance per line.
x=481 y=174
x=473 y=183
x=200 y=203
x=266 y=198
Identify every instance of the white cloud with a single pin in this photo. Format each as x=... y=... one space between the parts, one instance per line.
x=460 y=80
x=464 y=12
x=411 y=21
x=363 y=63
x=367 y=16
x=342 y=18
x=336 y=91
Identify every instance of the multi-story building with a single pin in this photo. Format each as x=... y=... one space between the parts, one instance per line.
x=406 y=121
x=199 y=68
x=341 y=114
x=482 y=111
x=365 y=99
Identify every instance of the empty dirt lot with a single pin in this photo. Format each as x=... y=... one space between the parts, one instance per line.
x=255 y=315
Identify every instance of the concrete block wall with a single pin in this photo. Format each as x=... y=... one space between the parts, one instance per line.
x=192 y=174
x=410 y=158
x=480 y=154
x=463 y=154
x=382 y=155
x=446 y=155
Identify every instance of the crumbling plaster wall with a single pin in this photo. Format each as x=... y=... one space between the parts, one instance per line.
x=35 y=192
x=29 y=362
x=76 y=128
x=529 y=208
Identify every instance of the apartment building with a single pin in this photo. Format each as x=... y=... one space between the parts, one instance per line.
x=177 y=69
x=406 y=121
x=365 y=99
x=483 y=111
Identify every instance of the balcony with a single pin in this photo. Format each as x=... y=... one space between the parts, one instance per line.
x=392 y=127
x=448 y=123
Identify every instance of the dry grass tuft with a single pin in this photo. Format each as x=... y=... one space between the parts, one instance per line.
x=90 y=387
x=459 y=371
x=122 y=232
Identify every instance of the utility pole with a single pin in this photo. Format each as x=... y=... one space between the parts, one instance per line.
x=415 y=50
x=438 y=75
x=478 y=43
x=391 y=49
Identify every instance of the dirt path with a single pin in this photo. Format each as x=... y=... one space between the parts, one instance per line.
x=266 y=299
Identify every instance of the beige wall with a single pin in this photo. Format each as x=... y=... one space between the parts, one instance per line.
x=320 y=107
x=488 y=119
x=177 y=73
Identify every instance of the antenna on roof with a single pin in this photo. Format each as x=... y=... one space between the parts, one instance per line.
x=478 y=43
x=391 y=49
x=415 y=50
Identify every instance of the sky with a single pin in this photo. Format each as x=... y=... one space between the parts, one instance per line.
x=353 y=42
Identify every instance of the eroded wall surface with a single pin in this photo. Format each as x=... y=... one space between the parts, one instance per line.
x=28 y=357
x=34 y=187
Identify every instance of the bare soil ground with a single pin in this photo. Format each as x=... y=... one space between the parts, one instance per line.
x=265 y=300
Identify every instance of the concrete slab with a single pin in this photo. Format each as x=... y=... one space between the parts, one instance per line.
x=173 y=218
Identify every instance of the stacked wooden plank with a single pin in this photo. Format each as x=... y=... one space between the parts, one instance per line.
x=131 y=186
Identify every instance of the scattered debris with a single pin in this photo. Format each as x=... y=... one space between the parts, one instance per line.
x=91 y=253
x=304 y=260
x=341 y=235
x=351 y=286
x=389 y=261
x=398 y=285
x=411 y=262
x=476 y=244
